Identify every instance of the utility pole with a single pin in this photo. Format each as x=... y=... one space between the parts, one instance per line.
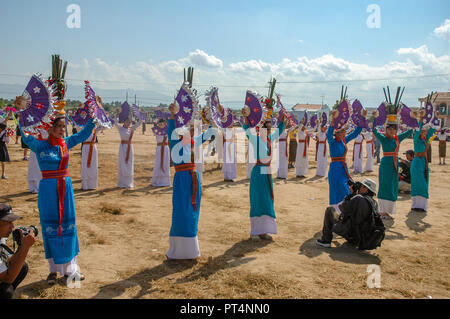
x=322 y=96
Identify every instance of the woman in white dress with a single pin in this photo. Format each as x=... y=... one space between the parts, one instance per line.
x=301 y=159
x=322 y=152
x=283 y=155
x=251 y=160
x=161 y=170
x=229 y=166
x=89 y=162
x=358 y=154
x=370 y=150
x=126 y=154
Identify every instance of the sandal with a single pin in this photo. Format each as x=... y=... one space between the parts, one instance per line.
x=51 y=279
x=80 y=277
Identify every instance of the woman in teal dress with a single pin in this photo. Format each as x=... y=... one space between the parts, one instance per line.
x=262 y=213
x=420 y=175
x=56 y=200
x=388 y=171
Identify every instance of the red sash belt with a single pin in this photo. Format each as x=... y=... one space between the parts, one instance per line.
x=91 y=148
x=360 y=149
x=324 y=147
x=259 y=163
x=285 y=140
x=59 y=173
x=190 y=167
x=128 y=147
x=342 y=160
x=164 y=143
x=306 y=146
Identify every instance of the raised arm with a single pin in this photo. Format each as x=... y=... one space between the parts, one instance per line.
x=378 y=135
x=430 y=133
x=330 y=136
x=275 y=135
x=404 y=135
x=81 y=136
x=353 y=134
x=135 y=126
x=34 y=144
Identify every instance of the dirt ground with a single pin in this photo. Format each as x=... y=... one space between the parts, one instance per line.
x=124 y=235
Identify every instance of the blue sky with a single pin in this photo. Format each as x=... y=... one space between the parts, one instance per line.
x=122 y=41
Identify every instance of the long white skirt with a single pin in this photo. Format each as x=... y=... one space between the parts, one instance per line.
x=126 y=170
x=183 y=247
x=358 y=161
x=34 y=173
x=263 y=225
x=67 y=269
x=229 y=166
x=161 y=177
x=386 y=206
x=419 y=202
x=89 y=175
x=322 y=161
x=301 y=163
x=369 y=160
x=282 y=171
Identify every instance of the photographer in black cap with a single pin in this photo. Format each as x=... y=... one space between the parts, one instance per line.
x=359 y=222
x=13 y=267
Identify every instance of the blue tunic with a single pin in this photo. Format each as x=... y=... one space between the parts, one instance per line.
x=184 y=217
x=388 y=174
x=61 y=248
x=261 y=202
x=337 y=176
x=419 y=184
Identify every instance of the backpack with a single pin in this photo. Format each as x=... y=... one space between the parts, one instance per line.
x=373 y=231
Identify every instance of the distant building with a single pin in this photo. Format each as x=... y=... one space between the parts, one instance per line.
x=311 y=109
x=443 y=103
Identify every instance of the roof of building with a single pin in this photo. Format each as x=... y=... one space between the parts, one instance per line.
x=301 y=107
x=441 y=96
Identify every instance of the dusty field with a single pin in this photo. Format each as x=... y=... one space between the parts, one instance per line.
x=124 y=235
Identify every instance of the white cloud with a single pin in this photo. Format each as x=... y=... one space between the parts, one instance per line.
x=444 y=30
x=325 y=74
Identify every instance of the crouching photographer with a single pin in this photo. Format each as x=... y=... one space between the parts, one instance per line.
x=359 y=222
x=13 y=268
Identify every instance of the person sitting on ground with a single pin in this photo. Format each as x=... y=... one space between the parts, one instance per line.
x=357 y=210
x=13 y=268
x=404 y=173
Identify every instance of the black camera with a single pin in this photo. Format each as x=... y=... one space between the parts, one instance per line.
x=25 y=230
x=354 y=185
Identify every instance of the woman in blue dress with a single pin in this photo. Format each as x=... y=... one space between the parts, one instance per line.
x=420 y=174
x=186 y=194
x=56 y=201
x=262 y=213
x=338 y=174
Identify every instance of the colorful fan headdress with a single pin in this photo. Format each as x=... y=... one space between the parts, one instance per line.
x=222 y=117
x=96 y=110
x=343 y=111
x=186 y=102
x=37 y=105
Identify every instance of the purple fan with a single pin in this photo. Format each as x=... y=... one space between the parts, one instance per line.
x=160 y=128
x=96 y=109
x=37 y=110
x=305 y=118
x=125 y=112
x=112 y=120
x=185 y=102
x=81 y=116
x=312 y=121
x=382 y=115
x=343 y=115
x=324 y=119
x=254 y=109
x=224 y=119
x=428 y=113
x=406 y=118
x=436 y=122
x=142 y=116
x=357 y=118
x=162 y=115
